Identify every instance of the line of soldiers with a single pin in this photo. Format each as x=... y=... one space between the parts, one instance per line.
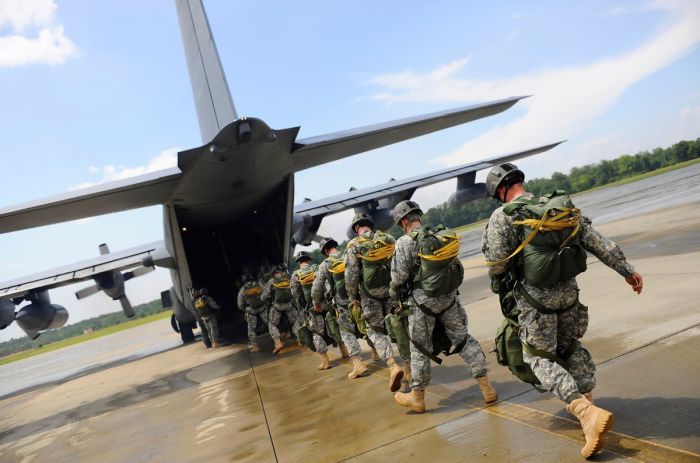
x=534 y=247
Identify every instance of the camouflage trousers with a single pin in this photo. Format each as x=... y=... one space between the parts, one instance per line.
x=317 y=325
x=347 y=331
x=373 y=311
x=276 y=315
x=555 y=333
x=253 y=318
x=212 y=327
x=420 y=330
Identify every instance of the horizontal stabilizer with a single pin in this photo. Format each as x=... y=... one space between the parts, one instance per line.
x=131 y=193
x=310 y=152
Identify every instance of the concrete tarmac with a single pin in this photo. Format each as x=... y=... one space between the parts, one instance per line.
x=191 y=404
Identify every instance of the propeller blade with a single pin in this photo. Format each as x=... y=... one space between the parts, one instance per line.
x=126 y=306
x=85 y=292
x=137 y=272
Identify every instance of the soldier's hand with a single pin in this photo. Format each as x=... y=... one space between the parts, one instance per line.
x=636 y=282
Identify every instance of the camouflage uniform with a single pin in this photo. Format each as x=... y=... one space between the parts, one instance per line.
x=446 y=307
x=347 y=326
x=208 y=317
x=317 y=324
x=276 y=310
x=252 y=314
x=553 y=333
x=376 y=303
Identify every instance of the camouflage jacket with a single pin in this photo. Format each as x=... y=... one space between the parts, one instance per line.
x=244 y=302
x=323 y=282
x=403 y=269
x=210 y=307
x=353 y=272
x=501 y=237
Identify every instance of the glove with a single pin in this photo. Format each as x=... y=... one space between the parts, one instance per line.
x=318 y=308
x=636 y=282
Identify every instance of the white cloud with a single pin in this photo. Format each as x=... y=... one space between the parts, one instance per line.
x=35 y=35
x=567 y=100
x=164 y=160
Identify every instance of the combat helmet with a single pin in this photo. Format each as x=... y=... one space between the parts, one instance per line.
x=361 y=217
x=302 y=255
x=505 y=174
x=327 y=243
x=247 y=277
x=404 y=208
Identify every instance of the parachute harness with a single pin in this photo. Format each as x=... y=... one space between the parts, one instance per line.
x=380 y=252
x=557 y=219
x=448 y=251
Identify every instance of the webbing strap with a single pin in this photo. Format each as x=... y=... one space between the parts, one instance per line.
x=561 y=360
x=537 y=305
x=434 y=356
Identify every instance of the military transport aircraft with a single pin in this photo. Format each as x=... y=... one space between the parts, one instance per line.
x=237 y=186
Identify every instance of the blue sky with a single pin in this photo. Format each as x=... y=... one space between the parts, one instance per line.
x=93 y=91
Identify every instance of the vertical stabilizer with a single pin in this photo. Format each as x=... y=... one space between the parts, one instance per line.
x=212 y=97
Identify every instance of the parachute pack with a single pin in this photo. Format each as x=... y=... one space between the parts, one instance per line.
x=376 y=253
x=282 y=291
x=336 y=265
x=441 y=271
x=306 y=278
x=252 y=296
x=552 y=251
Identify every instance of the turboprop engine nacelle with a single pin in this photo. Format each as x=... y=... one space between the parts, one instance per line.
x=467 y=194
x=383 y=219
x=305 y=229
x=40 y=315
x=7 y=313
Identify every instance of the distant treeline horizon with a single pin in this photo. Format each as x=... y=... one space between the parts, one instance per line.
x=77 y=329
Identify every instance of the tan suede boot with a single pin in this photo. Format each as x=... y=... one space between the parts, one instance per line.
x=254 y=347
x=396 y=375
x=595 y=422
x=343 y=350
x=278 y=346
x=487 y=391
x=375 y=355
x=325 y=362
x=358 y=367
x=406 y=373
x=415 y=400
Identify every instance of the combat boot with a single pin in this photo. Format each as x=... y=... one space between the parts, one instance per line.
x=595 y=422
x=415 y=400
x=324 y=365
x=375 y=355
x=254 y=347
x=278 y=346
x=487 y=391
x=215 y=344
x=589 y=396
x=358 y=367
x=406 y=373
x=343 y=350
x=396 y=374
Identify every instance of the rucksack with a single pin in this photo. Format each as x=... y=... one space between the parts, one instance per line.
x=252 y=296
x=441 y=272
x=376 y=253
x=281 y=289
x=336 y=265
x=552 y=251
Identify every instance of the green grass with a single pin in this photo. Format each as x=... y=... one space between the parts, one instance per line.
x=86 y=337
x=624 y=181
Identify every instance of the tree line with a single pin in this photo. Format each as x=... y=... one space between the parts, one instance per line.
x=578 y=179
x=77 y=329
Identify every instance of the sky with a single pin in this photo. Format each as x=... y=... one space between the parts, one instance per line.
x=98 y=91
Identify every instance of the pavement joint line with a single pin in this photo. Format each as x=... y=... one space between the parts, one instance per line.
x=262 y=405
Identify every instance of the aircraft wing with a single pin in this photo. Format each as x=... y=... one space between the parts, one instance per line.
x=310 y=152
x=341 y=202
x=81 y=271
x=131 y=193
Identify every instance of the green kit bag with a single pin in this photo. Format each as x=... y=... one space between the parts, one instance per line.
x=332 y=327
x=306 y=337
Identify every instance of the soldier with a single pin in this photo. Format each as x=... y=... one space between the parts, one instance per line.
x=251 y=303
x=302 y=280
x=277 y=293
x=426 y=308
x=551 y=318
x=331 y=273
x=207 y=308
x=375 y=301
